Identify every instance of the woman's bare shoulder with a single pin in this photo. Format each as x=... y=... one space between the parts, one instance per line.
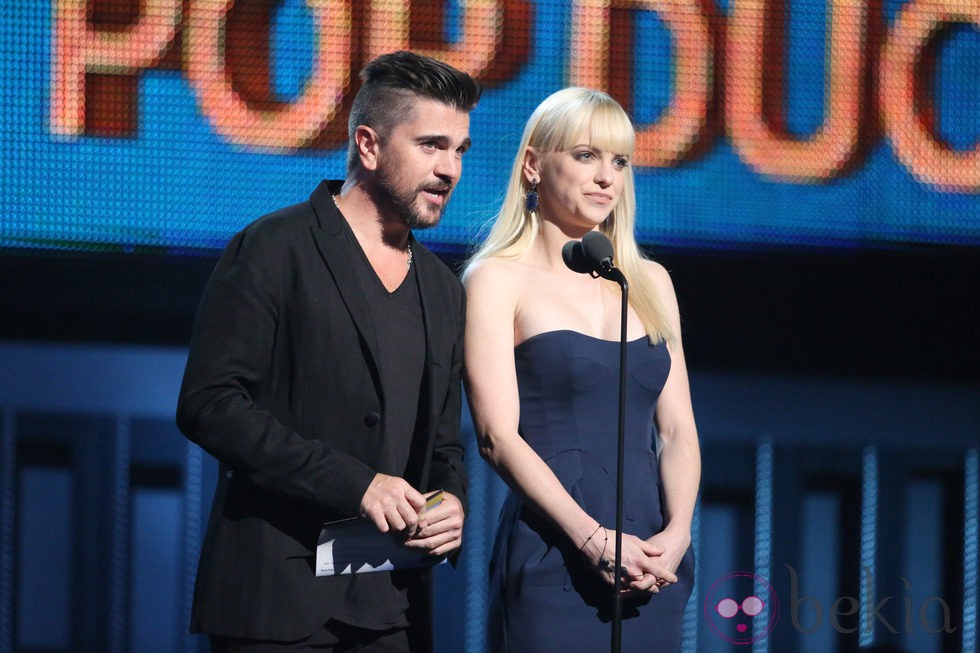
x=657 y=272
x=492 y=270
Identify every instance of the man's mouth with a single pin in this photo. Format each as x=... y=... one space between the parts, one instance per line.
x=437 y=194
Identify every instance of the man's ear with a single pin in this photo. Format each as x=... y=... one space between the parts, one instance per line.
x=368 y=146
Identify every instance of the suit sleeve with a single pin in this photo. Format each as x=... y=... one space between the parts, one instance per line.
x=447 y=469
x=229 y=386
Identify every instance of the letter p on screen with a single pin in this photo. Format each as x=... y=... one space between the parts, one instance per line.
x=80 y=48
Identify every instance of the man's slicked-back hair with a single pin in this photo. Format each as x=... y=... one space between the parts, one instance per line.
x=393 y=81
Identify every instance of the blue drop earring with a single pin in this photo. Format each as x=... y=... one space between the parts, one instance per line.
x=531 y=198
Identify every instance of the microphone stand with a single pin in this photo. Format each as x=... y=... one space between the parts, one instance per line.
x=594 y=255
x=614 y=274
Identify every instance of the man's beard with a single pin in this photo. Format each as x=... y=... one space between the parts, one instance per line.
x=405 y=205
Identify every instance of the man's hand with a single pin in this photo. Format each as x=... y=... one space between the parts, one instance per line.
x=440 y=530
x=392 y=504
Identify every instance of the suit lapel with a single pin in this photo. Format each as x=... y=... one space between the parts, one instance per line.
x=434 y=305
x=335 y=249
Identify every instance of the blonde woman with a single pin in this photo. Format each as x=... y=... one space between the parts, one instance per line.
x=542 y=356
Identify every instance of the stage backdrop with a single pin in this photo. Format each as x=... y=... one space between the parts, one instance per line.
x=167 y=125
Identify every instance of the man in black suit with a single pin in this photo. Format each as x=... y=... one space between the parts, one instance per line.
x=323 y=374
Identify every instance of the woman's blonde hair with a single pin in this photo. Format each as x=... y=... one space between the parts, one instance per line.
x=555 y=126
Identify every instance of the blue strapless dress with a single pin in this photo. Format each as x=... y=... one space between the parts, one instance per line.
x=542 y=596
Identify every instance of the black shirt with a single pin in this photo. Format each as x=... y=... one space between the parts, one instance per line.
x=378 y=600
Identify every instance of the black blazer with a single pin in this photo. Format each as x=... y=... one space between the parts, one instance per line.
x=282 y=387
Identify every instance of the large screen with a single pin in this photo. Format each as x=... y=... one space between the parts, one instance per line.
x=167 y=125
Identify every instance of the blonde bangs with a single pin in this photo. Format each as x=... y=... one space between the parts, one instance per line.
x=610 y=130
x=562 y=120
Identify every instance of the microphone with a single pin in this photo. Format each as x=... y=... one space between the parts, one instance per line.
x=598 y=252
x=574 y=257
x=593 y=256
